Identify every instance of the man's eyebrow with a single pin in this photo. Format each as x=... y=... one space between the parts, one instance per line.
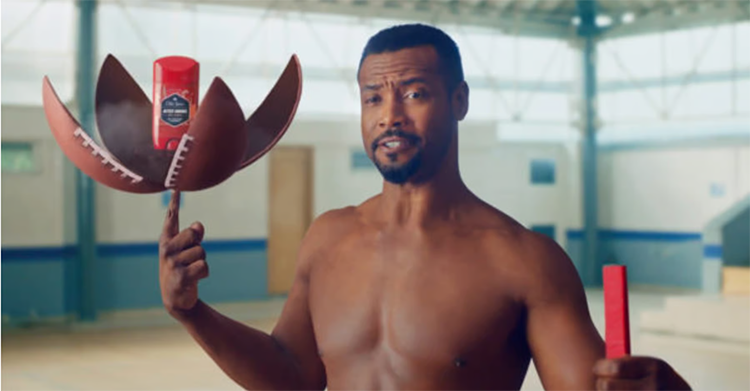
x=413 y=80
x=410 y=81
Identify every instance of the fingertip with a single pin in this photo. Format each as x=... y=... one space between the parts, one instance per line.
x=199 y=229
x=198 y=226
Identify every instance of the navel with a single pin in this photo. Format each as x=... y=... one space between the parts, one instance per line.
x=459 y=362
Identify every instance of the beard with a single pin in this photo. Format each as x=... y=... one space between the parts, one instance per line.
x=413 y=169
x=399 y=173
x=394 y=172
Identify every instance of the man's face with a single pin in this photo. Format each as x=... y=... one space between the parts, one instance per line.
x=407 y=122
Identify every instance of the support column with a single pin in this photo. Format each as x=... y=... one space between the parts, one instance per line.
x=85 y=190
x=588 y=32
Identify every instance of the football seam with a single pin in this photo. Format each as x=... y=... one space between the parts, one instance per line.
x=107 y=159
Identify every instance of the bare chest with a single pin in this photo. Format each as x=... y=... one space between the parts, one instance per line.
x=416 y=303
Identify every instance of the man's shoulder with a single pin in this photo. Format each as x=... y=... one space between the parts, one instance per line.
x=335 y=217
x=324 y=232
x=506 y=235
x=349 y=214
x=537 y=262
x=331 y=224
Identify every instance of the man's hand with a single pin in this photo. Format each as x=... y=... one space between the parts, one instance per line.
x=637 y=373
x=182 y=261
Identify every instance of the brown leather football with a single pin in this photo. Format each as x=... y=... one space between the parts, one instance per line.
x=218 y=143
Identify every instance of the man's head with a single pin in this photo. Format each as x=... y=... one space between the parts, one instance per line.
x=413 y=94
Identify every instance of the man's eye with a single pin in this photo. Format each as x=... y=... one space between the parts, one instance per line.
x=372 y=99
x=414 y=95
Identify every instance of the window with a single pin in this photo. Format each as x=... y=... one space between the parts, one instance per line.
x=543 y=172
x=18 y=157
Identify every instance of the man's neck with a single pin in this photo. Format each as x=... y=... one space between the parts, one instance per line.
x=415 y=204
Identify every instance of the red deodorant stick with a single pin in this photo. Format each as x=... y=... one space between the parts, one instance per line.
x=176 y=84
x=616 y=314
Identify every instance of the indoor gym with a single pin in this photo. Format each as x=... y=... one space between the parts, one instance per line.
x=621 y=129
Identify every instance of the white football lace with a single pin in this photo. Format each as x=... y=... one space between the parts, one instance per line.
x=107 y=159
x=177 y=161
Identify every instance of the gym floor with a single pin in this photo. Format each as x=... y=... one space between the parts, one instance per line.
x=147 y=351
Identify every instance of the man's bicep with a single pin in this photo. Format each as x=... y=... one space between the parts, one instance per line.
x=564 y=346
x=564 y=342
x=294 y=330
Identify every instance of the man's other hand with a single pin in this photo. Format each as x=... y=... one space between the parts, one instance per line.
x=637 y=373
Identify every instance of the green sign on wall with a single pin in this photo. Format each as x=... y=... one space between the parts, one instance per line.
x=18 y=157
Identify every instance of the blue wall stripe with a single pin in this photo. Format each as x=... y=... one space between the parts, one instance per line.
x=653 y=236
x=574 y=234
x=658 y=236
x=41 y=280
x=235 y=245
x=652 y=257
x=36 y=253
x=712 y=251
x=17 y=254
x=13 y=254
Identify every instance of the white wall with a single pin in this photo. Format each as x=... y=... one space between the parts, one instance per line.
x=37 y=207
x=500 y=174
x=496 y=172
x=235 y=209
x=35 y=212
x=335 y=183
x=670 y=189
x=33 y=203
x=664 y=189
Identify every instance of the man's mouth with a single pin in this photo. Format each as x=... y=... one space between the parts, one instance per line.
x=395 y=144
x=395 y=141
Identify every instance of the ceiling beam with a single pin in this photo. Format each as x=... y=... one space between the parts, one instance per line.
x=657 y=21
x=454 y=13
x=506 y=16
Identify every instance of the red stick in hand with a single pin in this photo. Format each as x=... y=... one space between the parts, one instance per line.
x=616 y=311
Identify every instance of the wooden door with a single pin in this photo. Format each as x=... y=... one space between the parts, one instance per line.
x=290 y=212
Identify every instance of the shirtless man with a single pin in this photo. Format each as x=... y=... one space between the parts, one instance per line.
x=423 y=286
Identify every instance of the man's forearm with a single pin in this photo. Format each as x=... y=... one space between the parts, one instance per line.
x=252 y=358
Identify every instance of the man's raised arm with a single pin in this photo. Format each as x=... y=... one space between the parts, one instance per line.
x=287 y=359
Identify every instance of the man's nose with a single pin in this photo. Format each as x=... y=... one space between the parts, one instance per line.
x=392 y=115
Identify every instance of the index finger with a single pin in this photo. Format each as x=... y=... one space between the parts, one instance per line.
x=172 y=220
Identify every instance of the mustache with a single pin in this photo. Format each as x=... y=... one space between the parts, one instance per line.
x=412 y=138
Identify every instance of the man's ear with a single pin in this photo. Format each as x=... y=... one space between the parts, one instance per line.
x=460 y=101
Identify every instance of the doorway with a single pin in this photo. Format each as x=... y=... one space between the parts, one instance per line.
x=290 y=212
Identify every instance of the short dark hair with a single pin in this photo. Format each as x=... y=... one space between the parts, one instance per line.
x=412 y=35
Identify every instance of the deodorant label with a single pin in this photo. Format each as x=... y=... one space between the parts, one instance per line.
x=175 y=110
x=175 y=101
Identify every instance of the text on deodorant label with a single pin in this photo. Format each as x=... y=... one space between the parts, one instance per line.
x=175 y=110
